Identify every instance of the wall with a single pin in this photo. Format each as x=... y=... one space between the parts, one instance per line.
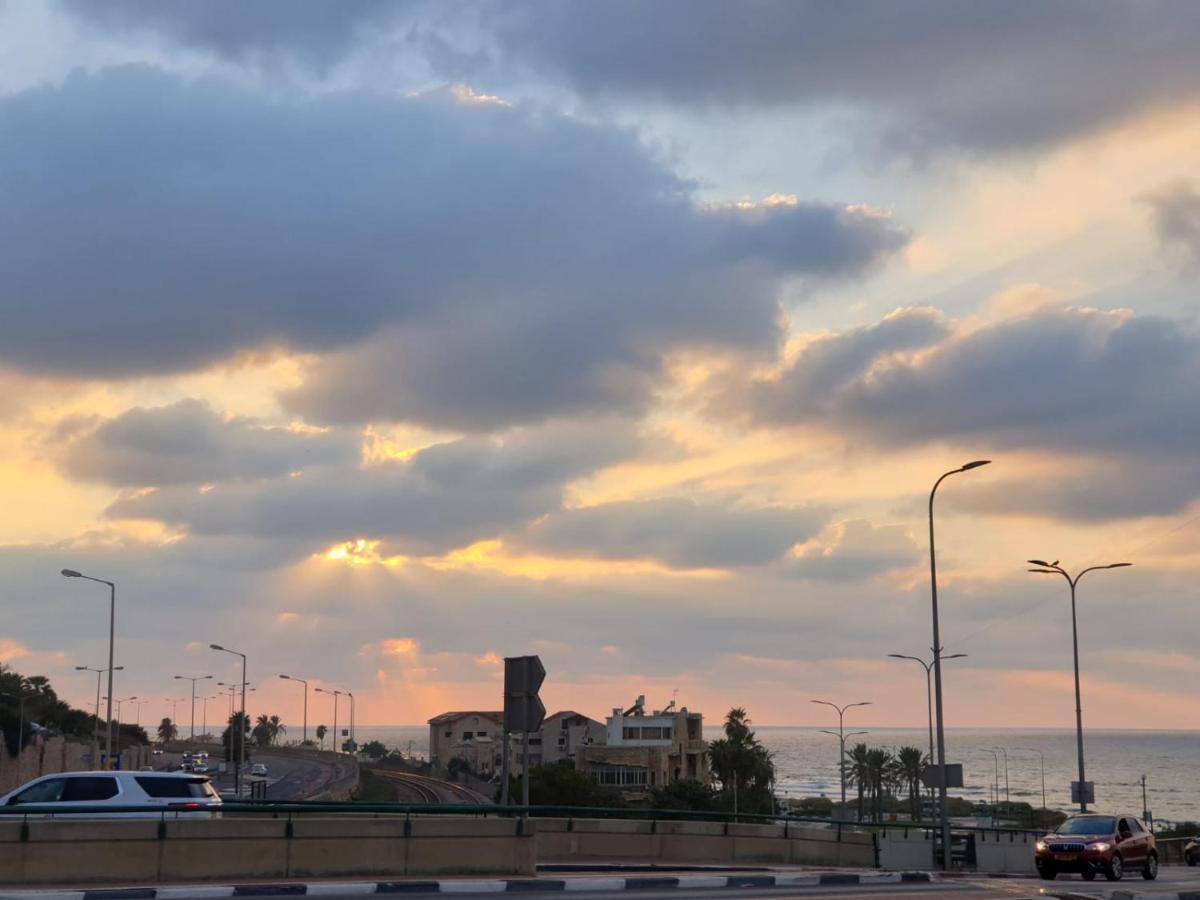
x=136 y=851
x=48 y=758
x=995 y=851
x=708 y=842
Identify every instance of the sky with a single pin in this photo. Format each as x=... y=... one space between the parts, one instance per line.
x=383 y=340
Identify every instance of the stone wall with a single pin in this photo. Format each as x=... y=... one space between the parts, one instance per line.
x=46 y=757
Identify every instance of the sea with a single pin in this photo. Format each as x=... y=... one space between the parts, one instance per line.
x=806 y=763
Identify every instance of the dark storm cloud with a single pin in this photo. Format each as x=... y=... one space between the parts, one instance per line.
x=1071 y=379
x=527 y=263
x=980 y=75
x=445 y=496
x=187 y=443
x=1176 y=216
x=677 y=532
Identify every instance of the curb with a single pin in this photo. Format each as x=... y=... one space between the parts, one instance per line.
x=476 y=886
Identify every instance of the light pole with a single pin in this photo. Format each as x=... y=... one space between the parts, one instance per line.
x=119 y=701
x=841 y=736
x=996 y=780
x=928 y=667
x=137 y=722
x=96 y=726
x=112 y=627
x=943 y=801
x=1050 y=569
x=204 y=713
x=305 y=683
x=336 y=694
x=1007 y=799
x=240 y=762
x=353 y=742
x=1042 y=757
x=192 y=736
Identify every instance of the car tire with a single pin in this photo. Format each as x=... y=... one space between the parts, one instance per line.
x=1190 y=859
x=1114 y=869
x=1088 y=874
x=1047 y=873
x=1150 y=872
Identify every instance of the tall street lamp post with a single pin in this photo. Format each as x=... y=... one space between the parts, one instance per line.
x=336 y=694
x=841 y=736
x=192 y=736
x=204 y=712
x=96 y=725
x=240 y=762
x=995 y=780
x=1007 y=799
x=112 y=626
x=1050 y=569
x=305 y=683
x=353 y=742
x=943 y=801
x=1042 y=757
x=118 y=701
x=928 y=667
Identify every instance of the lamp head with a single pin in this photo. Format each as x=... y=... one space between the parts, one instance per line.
x=215 y=647
x=71 y=573
x=81 y=668
x=1038 y=562
x=1118 y=565
x=288 y=677
x=975 y=465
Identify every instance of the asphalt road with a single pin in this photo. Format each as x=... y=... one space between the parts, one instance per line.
x=956 y=891
x=1171 y=879
x=288 y=777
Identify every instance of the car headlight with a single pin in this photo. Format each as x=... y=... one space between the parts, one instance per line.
x=1100 y=845
x=1040 y=846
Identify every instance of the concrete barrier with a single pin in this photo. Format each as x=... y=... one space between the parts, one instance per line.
x=700 y=842
x=148 y=850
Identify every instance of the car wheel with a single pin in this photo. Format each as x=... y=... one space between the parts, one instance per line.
x=1114 y=868
x=1088 y=874
x=1047 y=873
x=1151 y=870
x=1190 y=859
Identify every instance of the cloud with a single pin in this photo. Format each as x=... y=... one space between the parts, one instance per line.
x=470 y=262
x=677 y=532
x=1175 y=211
x=855 y=551
x=443 y=497
x=188 y=443
x=921 y=76
x=1077 y=379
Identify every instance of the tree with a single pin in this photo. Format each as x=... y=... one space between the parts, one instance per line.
x=277 y=729
x=167 y=731
x=561 y=784
x=858 y=772
x=321 y=730
x=743 y=766
x=686 y=793
x=239 y=723
x=911 y=761
x=374 y=750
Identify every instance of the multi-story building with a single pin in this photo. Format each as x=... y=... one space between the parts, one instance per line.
x=475 y=737
x=646 y=750
x=560 y=739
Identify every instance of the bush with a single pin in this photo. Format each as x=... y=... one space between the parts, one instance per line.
x=687 y=794
x=561 y=785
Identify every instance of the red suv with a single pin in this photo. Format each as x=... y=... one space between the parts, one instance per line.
x=1089 y=843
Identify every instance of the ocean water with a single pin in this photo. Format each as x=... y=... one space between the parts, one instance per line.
x=806 y=763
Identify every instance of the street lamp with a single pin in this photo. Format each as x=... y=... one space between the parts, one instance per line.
x=1007 y=799
x=943 y=801
x=112 y=626
x=204 y=713
x=240 y=761
x=192 y=736
x=1050 y=569
x=841 y=736
x=995 y=780
x=118 y=701
x=1042 y=757
x=353 y=742
x=928 y=667
x=336 y=694
x=305 y=683
x=96 y=726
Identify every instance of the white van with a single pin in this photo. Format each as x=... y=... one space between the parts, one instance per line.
x=180 y=793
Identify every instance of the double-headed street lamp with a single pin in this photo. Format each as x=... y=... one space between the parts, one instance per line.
x=336 y=694
x=240 y=761
x=112 y=626
x=841 y=736
x=1047 y=568
x=928 y=667
x=96 y=726
x=192 y=736
x=943 y=801
x=996 y=779
x=118 y=701
x=304 y=740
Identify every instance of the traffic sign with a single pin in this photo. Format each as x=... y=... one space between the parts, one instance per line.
x=523 y=709
x=1089 y=792
x=931 y=775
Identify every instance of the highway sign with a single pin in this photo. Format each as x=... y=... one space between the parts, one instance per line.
x=1089 y=792
x=931 y=775
x=523 y=709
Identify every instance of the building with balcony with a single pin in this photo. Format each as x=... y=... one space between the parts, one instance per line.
x=644 y=750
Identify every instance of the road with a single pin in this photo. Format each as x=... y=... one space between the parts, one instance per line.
x=1171 y=880
x=289 y=777
x=955 y=891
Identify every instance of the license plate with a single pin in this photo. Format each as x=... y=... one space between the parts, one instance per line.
x=1066 y=857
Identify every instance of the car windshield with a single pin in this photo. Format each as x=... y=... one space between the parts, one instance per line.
x=1088 y=825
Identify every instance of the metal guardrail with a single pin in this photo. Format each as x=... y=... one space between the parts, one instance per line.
x=276 y=809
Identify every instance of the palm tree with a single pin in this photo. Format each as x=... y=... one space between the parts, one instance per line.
x=911 y=761
x=858 y=772
x=321 y=729
x=277 y=729
x=743 y=766
x=167 y=731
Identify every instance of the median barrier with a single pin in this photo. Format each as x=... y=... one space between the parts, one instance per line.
x=61 y=851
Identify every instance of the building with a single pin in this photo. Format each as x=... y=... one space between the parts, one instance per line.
x=474 y=737
x=560 y=739
x=644 y=750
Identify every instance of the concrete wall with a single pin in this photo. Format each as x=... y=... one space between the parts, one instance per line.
x=995 y=851
x=47 y=758
x=135 y=851
x=699 y=842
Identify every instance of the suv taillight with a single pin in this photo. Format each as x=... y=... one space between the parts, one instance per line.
x=189 y=805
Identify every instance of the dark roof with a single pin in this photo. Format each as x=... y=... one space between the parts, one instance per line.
x=447 y=717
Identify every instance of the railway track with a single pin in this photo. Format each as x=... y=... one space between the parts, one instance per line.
x=432 y=790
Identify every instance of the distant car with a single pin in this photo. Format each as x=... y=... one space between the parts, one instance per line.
x=97 y=792
x=186 y=766
x=200 y=767
x=1191 y=851
x=157 y=751
x=258 y=769
x=1090 y=844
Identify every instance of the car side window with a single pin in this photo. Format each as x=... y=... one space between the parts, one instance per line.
x=1135 y=826
x=1123 y=826
x=90 y=787
x=48 y=791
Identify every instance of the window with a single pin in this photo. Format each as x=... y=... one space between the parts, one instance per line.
x=632 y=734
x=1134 y=826
x=91 y=787
x=49 y=791
x=622 y=776
x=449 y=734
x=466 y=736
x=176 y=788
